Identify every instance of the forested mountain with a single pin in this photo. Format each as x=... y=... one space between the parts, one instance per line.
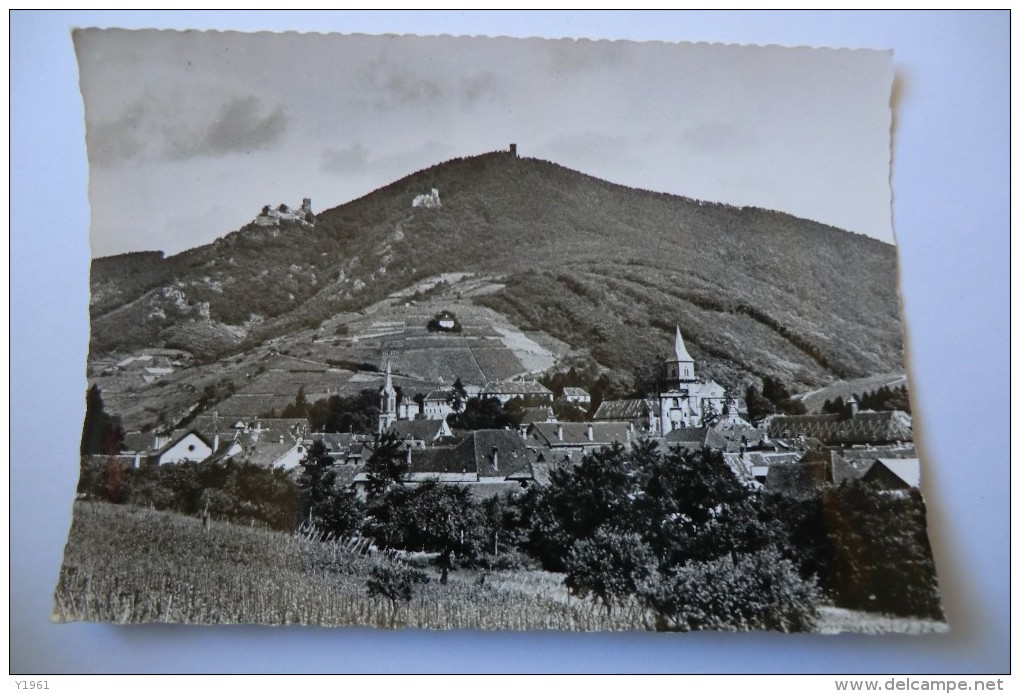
x=602 y=267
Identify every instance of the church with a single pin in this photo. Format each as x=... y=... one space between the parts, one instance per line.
x=687 y=401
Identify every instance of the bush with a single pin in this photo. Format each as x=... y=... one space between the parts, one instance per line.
x=881 y=557
x=235 y=492
x=609 y=566
x=747 y=592
x=396 y=584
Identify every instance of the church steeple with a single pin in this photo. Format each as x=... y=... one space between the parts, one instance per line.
x=387 y=401
x=680 y=364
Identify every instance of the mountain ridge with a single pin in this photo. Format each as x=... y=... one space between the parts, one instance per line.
x=601 y=266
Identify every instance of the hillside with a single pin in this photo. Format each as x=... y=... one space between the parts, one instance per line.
x=814 y=399
x=606 y=269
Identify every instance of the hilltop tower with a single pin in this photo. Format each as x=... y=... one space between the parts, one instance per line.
x=387 y=402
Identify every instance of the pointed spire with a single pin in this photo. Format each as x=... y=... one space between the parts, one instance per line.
x=388 y=385
x=679 y=349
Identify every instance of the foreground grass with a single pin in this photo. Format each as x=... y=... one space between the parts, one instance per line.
x=131 y=565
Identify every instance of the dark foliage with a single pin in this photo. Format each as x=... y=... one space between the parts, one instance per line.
x=236 y=492
x=325 y=505
x=663 y=529
x=883 y=399
x=394 y=583
x=101 y=433
x=457 y=397
x=351 y=414
x=387 y=466
x=565 y=411
x=758 y=406
x=488 y=413
x=777 y=393
x=432 y=518
x=881 y=556
x=753 y=591
x=297 y=409
x=837 y=406
x=611 y=566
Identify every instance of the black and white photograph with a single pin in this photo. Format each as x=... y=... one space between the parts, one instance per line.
x=496 y=334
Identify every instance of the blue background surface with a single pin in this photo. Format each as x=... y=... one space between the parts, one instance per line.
x=951 y=207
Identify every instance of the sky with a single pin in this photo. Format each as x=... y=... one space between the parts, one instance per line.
x=189 y=134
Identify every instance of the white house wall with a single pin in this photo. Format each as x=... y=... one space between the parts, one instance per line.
x=190 y=448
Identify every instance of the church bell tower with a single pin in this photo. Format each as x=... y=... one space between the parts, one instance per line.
x=680 y=364
x=387 y=402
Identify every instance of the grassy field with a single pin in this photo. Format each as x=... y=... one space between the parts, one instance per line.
x=132 y=565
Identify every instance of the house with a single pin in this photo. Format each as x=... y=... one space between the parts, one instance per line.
x=254 y=429
x=894 y=474
x=758 y=463
x=695 y=438
x=580 y=437
x=578 y=396
x=643 y=414
x=505 y=391
x=181 y=446
x=485 y=458
x=437 y=405
x=421 y=432
x=287 y=455
x=344 y=449
x=861 y=428
x=537 y=414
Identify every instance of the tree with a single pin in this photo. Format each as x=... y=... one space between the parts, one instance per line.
x=432 y=518
x=776 y=392
x=758 y=406
x=755 y=591
x=662 y=528
x=505 y=530
x=298 y=408
x=881 y=559
x=355 y=413
x=101 y=433
x=396 y=584
x=325 y=506
x=566 y=411
x=837 y=406
x=611 y=565
x=457 y=396
x=690 y=499
x=484 y=413
x=598 y=492
x=387 y=466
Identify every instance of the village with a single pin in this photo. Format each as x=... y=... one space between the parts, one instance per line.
x=791 y=454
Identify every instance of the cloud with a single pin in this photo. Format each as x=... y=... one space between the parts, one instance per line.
x=346 y=159
x=118 y=140
x=240 y=126
x=157 y=128
x=388 y=84
x=573 y=56
x=594 y=147
x=715 y=137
